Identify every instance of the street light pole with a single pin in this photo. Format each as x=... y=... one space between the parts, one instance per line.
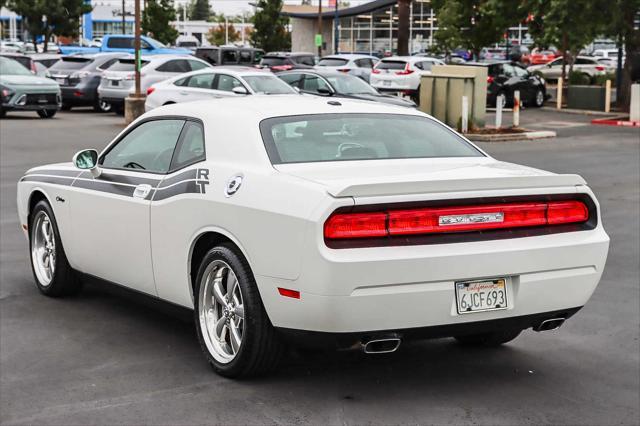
x=320 y=28
x=134 y=104
x=137 y=46
x=123 y=20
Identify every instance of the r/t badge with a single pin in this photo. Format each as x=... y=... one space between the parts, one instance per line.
x=202 y=179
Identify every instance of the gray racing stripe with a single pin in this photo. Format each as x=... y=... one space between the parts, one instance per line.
x=185 y=187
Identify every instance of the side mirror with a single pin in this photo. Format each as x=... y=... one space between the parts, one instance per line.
x=239 y=90
x=87 y=160
x=324 y=91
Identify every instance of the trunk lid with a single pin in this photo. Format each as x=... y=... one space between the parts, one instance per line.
x=421 y=176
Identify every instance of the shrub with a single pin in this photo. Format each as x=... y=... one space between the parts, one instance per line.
x=578 y=78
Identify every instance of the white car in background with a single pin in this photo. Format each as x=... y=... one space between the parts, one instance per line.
x=357 y=65
x=118 y=81
x=218 y=82
x=349 y=223
x=402 y=74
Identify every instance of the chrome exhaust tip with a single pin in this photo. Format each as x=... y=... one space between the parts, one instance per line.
x=381 y=346
x=549 y=325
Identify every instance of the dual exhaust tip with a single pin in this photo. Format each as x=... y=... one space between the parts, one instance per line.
x=385 y=345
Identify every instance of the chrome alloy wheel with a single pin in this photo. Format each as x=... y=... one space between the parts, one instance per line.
x=43 y=248
x=539 y=98
x=104 y=106
x=221 y=311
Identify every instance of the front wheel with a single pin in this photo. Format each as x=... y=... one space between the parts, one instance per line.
x=46 y=113
x=53 y=275
x=232 y=325
x=539 y=98
x=495 y=338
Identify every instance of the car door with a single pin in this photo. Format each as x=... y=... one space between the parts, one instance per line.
x=110 y=213
x=224 y=84
x=174 y=208
x=197 y=87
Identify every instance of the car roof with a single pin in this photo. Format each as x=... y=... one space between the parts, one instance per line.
x=235 y=71
x=411 y=58
x=288 y=54
x=348 y=56
x=318 y=71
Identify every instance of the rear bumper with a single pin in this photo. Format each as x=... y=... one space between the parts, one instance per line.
x=113 y=95
x=316 y=339
x=79 y=95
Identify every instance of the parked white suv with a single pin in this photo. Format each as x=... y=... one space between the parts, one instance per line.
x=357 y=65
x=118 y=81
x=402 y=74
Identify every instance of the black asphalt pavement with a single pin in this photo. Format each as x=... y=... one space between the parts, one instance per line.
x=105 y=357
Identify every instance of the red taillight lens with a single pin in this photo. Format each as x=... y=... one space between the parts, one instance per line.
x=599 y=68
x=567 y=212
x=344 y=69
x=454 y=219
x=405 y=71
x=375 y=71
x=282 y=67
x=489 y=80
x=356 y=225
x=294 y=294
x=150 y=90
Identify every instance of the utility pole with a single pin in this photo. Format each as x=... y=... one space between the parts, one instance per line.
x=137 y=45
x=336 y=29
x=319 y=36
x=403 y=27
x=123 y=21
x=134 y=105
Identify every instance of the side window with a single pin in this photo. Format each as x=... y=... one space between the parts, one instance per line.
x=307 y=60
x=418 y=65
x=175 y=66
x=190 y=148
x=107 y=64
x=315 y=84
x=585 y=61
x=145 y=45
x=202 y=81
x=182 y=82
x=364 y=63
x=507 y=70
x=149 y=147
x=226 y=83
x=120 y=42
x=196 y=65
x=229 y=57
x=293 y=80
x=245 y=57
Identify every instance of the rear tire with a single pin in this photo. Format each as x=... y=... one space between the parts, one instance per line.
x=101 y=106
x=233 y=328
x=65 y=107
x=53 y=275
x=538 y=99
x=493 y=339
x=47 y=113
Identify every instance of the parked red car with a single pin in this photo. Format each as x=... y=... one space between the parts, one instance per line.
x=538 y=57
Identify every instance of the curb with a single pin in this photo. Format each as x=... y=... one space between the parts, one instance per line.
x=615 y=121
x=578 y=111
x=510 y=137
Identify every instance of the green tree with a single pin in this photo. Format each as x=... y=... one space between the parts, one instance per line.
x=270 y=32
x=569 y=25
x=474 y=24
x=50 y=17
x=218 y=36
x=156 y=18
x=200 y=10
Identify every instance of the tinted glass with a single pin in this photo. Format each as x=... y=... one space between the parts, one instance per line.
x=107 y=64
x=245 y=57
x=202 y=81
x=182 y=82
x=11 y=67
x=332 y=62
x=315 y=84
x=305 y=60
x=148 y=147
x=268 y=85
x=25 y=61
x=229 y=56
x=227 y=83
x=343 y=137
x=364 y=63
x=585 y=61
x=197 y=65
x=120 y=42
x=176 y=66
x=293 y=80
x=425 y=65
x=273 y=61
x=391 y=65
x=191 y=147
x=125 y=65
x=350 y=85
x=71 y=63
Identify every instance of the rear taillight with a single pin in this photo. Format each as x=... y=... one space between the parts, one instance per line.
x=34 y=69
x=344 y=69
x=281 y=67
x=405 y=71
x=599 y=68
x=375 y=71
x=468 y=218
x=150 y=90
x=489 y=80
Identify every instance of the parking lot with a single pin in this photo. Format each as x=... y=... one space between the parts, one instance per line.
x=107 y=357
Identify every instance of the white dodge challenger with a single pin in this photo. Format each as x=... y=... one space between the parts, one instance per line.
x=316 y=221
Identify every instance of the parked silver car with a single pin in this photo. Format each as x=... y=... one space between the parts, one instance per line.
x=584 y=64
x=357 y=65
x=118 y=80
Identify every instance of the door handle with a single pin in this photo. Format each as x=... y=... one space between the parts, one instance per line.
x=184 y=93
x=142 y=191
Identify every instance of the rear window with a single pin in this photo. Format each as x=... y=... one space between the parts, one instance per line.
x=120 y=42
x=273 y=61
x=347 y=137
x=332 y=62
x=72 y=63
x=25 y=61
x=391 y=65
x=125 y=65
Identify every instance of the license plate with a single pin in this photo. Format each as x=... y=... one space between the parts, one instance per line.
x=481 y=296
x=386 y=82
x=115 y=83
x=61 y=80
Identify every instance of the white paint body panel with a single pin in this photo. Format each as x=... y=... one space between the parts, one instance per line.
x=277 y=218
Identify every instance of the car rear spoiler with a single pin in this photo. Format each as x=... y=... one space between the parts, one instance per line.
x=386 y=187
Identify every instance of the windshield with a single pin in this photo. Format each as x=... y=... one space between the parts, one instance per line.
x=11 y=67
x=71 y=63
x=344 y=137
x=350 y=85
x=268 y=85
x=332 y=62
